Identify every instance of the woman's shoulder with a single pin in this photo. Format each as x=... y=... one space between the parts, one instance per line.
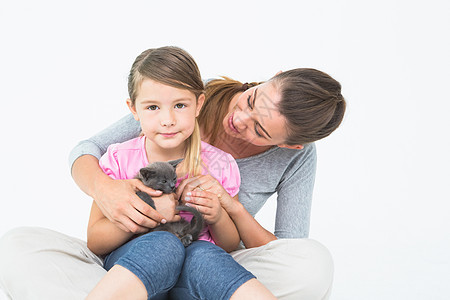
x=281 y=155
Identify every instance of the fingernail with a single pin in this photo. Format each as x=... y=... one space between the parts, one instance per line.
x=187 y=198
x=188 y=193
x=188 y=204
x=163 y=221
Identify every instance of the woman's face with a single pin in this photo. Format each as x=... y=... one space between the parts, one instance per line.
x=253 y=116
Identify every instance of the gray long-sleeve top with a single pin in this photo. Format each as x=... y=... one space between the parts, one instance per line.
x=287 y=172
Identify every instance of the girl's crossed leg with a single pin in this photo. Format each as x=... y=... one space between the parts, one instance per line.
x=145 y=267
x=211 y=273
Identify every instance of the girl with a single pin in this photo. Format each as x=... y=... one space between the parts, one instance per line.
x=166 y=95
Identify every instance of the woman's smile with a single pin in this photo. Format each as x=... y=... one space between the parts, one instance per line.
x=231 y=124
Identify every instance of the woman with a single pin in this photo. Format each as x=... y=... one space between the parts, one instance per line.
x=269 y=129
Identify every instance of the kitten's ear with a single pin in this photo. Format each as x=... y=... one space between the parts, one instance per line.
x=146 y=173
x=174 y=163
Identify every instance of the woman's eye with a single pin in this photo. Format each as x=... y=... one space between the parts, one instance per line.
x=180 y=105
x=256 y=130
x=248 y=101
x=153 y=107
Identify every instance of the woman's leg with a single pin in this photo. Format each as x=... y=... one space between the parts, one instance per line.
x=147 y=266
x=291 y=268
x=211 y=273
x=38 y=263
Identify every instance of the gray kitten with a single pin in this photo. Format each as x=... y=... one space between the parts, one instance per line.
x=162 y=176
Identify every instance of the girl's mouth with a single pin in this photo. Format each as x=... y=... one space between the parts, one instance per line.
x=231 y=125
x=168 y=134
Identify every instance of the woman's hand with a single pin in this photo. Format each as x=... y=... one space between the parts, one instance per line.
x=209 y=184
x=165 y=205
x=118 y=201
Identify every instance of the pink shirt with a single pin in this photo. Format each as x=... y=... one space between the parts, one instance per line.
x=124 y=160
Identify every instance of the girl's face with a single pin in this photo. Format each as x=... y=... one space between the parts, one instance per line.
x=167 y=116
x=254 y=117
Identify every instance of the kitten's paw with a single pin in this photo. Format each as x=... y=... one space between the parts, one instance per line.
x=186 y=240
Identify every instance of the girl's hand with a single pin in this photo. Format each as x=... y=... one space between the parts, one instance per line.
x=206 y=203
x=209 y=184
x=118 y=201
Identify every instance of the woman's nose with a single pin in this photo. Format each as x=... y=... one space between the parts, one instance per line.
x=241 y=119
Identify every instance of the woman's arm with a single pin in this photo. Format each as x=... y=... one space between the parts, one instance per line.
x=294 y=195
x=115 y=198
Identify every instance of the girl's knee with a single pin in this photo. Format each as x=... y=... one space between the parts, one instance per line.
x=200 y=252
x=209 y=272
x=160 y=246
x=164 y=240
x=156 y=259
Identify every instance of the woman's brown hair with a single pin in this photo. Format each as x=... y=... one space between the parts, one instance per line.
x=174 y=67
x=218 y=94
x=311 y=102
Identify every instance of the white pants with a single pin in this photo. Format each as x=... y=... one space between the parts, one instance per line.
x=37 y=263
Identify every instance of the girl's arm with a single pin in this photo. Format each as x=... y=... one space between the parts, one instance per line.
x=250 y=231
x=115 y=198
x=102 y=235
x=221 y=227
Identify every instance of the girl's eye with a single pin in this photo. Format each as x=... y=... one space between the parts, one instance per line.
x=180 y=105
x=153 y=107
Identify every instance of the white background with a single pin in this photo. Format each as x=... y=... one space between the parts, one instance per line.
x=381 y=200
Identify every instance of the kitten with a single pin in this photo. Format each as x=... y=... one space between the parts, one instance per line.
x=162 y=176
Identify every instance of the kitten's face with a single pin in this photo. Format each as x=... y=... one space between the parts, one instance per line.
x=159 y=176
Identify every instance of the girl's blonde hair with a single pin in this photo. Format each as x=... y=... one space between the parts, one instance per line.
x=174 y=67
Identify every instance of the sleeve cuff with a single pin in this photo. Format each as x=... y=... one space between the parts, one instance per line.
x=83 y=148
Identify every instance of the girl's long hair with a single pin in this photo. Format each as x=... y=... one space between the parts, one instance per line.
x=174 y=67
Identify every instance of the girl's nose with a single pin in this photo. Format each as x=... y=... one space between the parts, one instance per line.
x=168 y=118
